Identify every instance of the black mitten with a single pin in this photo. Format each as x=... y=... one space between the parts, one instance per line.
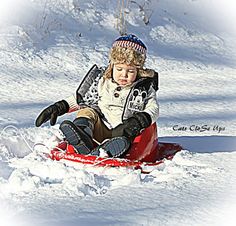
x=132 y=126
x=52 y=112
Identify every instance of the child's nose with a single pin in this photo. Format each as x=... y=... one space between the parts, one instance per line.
x=125 y=73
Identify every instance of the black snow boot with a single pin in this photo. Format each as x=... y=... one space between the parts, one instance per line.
x=79 y=134
x=114 y=147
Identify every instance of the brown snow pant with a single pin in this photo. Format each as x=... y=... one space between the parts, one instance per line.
x=100 y=132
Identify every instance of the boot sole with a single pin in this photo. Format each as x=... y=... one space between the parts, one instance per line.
x=117 y=146
x=74 y=135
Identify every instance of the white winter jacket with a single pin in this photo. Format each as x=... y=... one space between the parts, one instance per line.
x=116 y=102
x=112 y=99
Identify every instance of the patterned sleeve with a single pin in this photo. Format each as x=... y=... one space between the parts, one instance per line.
x=87 y=92
x=152 y=106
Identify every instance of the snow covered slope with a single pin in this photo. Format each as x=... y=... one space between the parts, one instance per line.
x=46 y=47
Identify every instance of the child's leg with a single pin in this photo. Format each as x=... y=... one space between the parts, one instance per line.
x=100 y=132
x=88 y=125
x=114 y=147
x=83 y=129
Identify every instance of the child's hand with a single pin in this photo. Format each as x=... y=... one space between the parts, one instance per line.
x=52 y=112
x=132 y=126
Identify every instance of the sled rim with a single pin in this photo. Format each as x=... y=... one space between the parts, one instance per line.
x=65 y=151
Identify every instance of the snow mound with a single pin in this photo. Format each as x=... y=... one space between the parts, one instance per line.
x=30 y=170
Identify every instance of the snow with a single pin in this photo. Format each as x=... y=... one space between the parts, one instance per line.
x=46 y=47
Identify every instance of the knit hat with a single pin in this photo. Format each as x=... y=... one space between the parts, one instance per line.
x=128 y=49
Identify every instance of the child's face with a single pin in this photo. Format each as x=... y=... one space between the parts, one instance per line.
x=124 y=74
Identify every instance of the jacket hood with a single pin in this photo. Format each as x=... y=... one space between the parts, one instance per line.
x=147 y=73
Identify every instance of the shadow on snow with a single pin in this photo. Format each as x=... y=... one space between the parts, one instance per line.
x=204 y=144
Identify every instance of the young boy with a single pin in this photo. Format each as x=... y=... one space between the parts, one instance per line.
x=116 y=103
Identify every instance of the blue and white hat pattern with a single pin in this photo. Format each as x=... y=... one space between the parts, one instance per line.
x=131 y=41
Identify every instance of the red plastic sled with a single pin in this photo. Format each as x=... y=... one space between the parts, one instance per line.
x=145 y=151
